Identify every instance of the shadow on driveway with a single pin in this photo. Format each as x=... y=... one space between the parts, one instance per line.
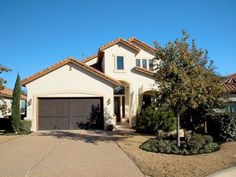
x=87 y=136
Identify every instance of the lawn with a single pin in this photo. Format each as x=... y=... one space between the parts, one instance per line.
x=156 y=164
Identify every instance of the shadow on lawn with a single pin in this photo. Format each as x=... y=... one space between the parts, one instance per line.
x=87 y=136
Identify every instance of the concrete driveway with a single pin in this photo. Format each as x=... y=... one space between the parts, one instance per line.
x=62 y=153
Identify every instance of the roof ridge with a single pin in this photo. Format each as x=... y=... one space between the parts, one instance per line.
x=89 y=58
x=117 y=40
x=145 y=45
x=64 y=62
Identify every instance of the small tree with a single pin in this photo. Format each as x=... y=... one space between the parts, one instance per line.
x=15 y=120
x=185 y=78
x=3 y=107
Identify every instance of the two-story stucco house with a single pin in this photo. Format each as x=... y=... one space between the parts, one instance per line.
x=106 y=86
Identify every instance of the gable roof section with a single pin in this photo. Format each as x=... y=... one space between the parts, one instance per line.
x=64 y=62
x=119 y=40
x=144 y=45
x=125 y=42
x=230 y=83
x=7 y=93
x=144 y=71
x=89 y=58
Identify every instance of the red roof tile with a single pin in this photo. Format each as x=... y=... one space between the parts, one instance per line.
x=230 y=83
x=7 y=93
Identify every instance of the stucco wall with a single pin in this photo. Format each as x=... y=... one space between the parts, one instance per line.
x=139 y=82
x=69 y=81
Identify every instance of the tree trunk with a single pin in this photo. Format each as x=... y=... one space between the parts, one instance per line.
x=205 y=126
x=177 y=128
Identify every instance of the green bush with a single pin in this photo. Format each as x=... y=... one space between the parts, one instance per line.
x=198 y=144
x=151 y=120
x=25 y=127
x=223 y=126
x=208 y=138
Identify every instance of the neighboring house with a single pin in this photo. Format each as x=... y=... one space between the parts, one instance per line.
x=106 y=85
x=230 y=87
x=6 y=94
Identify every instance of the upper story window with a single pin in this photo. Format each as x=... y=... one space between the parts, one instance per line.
x=150 y=63
x=137 y=62
x=144 y=63
x=120 y=63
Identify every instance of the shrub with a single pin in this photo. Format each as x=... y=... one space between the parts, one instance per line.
x=208 y=138
x=25 y=127
x=197 y=145
x=223 y=126
x=151 y=120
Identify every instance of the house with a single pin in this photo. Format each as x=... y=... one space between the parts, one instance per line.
x=229 y=84
x=106 y=86
x=6 y=94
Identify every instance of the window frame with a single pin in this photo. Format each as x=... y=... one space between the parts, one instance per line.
x=145 y=63
x=138 y=61
x=150 y=62
x=123 y=63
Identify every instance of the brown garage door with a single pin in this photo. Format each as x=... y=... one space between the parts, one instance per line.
x=69 y=113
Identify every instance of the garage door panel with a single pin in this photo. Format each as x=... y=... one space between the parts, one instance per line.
x=53 y=123
x=82 y=111
x=53 y=107
x=68 y=113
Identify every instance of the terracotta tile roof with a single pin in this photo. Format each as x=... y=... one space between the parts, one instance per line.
x=230 y=83
x=64 y=62
x=144 y=45
x=144 y=71
x=89 y=58
x=119 y=40
x=7 y=93
x=125 y=42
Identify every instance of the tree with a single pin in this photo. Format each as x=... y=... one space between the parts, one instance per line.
x=185 y=78
x=15 y=120
x=3 y=107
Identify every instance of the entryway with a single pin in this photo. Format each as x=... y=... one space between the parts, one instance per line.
x=121 y=103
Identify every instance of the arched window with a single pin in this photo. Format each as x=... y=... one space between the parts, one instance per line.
x=119 y=90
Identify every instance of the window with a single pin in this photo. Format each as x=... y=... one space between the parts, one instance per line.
x=137 y=62
x=119 y=90
x=144 y=62
x=230 y=107
x=150 y=63
x=120 y=63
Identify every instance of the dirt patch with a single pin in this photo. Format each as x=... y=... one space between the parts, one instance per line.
x=160 y=165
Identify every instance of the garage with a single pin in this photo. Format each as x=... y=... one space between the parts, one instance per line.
x=69 y=113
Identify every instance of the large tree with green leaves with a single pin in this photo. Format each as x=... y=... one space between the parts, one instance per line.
x=15 y=120
x=185 y=78
x=2 y=84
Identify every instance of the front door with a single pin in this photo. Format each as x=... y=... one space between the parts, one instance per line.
x=117 y=108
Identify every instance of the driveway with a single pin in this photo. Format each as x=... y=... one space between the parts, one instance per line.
x=65 y=153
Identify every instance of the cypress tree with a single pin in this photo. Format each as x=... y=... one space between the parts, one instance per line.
x=15 y=120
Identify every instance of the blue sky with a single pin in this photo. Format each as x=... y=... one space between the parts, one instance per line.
x=35 y=34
